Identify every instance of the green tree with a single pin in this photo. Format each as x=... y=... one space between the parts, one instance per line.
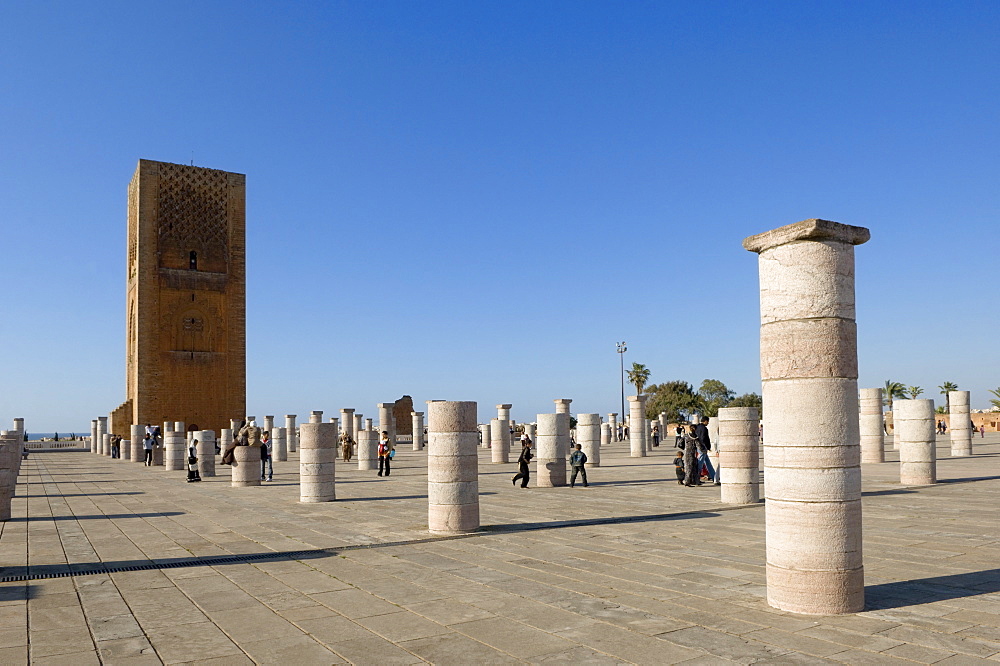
x=914 y=391
x=677 y=398
x=714 y=394
x=893 y=390
x=638 y=375
x=995 y=401
x=941 y=409
x=948 y=386
x=748 y=400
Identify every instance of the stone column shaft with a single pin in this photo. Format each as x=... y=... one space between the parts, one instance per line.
x=246 y=467
x=93 y=436
x=529 y=430
x=102 y=430
x=613 y=424
x=386 y=422
x=636 y=421
x=175 y=451
x=279 y=445
x=552 y=449
x=960 y=424
x=317 y=462
x=485 y=431
x=367 y=449
x=503 y=412
x=917 y=437
x=137 y=433
x=418 y=430
x=499 y=441
x=206 y=452
x=291 y=435
x=347 y=422
x=605 y=434
x=369 y=424
x=588 y=436
x=870 y=424
x=738 y=444
x=316 y=416
x=809 y=368
x=269 y=424
x=359 y=424
x=452 y=468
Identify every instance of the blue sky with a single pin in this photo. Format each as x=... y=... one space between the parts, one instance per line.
x=475 y=201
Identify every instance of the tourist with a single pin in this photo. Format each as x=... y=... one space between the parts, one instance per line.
x=691 y=467
x=679 y=436
x=147 y=449
x=266 y=451
x=577 y=460
x=384 y=454
x=656 y=435
x=704 y=446
x=116 y=446
x=679 y=465
x=523 y=471
x=193 y=449
x=982 y=431
x=625 y=432
x=347 y=446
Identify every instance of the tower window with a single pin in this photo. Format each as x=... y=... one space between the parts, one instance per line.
x=193 y=260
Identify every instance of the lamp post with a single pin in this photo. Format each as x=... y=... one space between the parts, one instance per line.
x=621 y=357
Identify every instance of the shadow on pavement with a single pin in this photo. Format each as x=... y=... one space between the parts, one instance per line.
x=928 y=590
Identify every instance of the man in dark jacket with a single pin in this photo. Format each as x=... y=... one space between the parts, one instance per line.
x=523 y=472
x=577 y=460
x=704 y=446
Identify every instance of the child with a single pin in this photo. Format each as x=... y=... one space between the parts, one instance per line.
x=679 y=467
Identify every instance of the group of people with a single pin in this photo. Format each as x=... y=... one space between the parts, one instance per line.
x=577 y=461
x=250 y=434
x=692 y=461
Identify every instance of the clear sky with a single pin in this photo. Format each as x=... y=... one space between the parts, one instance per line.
x=476 y=200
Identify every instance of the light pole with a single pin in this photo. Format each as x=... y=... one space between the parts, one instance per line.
x=621 y=357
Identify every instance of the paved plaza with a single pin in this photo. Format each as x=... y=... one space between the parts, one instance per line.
x=633 y=569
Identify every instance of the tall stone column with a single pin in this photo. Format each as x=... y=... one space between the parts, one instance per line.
x=503 y=412
x=175 y=449
x=245 y=469
x=369 y=424
x=870 y=425
x=93 y=436
x=291 y=435
x=316 y=416
x=10 y=447
x=418 y=430
x=102 y=430
x=738 y=444
x=636 y=421
x=367 y=449
x=347 y=421
x=552 y=446
x=138 y=433
x=317 y=462
x=562 y=405
x=279 y=445
x=499 y=441
x=485 y=432
x=225 y=439
x=452 y=468
x=809 y=368
x=234 y=424
x=19 y=427
x=529 y=430
x=126 y=450
x=605 y=434
x=386 y=422
x=359 y=424
x=269 y=424
x=106 y=444
x=917 y=457
x=588 y=436
x=960 y=424
x=613 y=424
x=206 y=452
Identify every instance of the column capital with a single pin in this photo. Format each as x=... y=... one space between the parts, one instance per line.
x=813 y=229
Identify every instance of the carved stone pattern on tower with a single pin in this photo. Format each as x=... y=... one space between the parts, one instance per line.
x=193 y=207
x=133 y=236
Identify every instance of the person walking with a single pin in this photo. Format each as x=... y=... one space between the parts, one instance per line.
x=577 y=460
x=656 y=435
x=384 y=454
x=147 y=449
x=523 y=471
x=266 y=450
x=116 y=446
x=347 y=446
x=679 y=466
x=704 y=446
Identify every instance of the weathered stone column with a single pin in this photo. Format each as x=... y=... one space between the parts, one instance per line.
x=316 y=417
x=102 y=430
x=246 y=466
x=870 y=426
x=960 y=424
x=636 y=423
x=279 y=445
x=234 y=424
x=291 y=436
x=93 y=436
x=738 y=444
x=386 y=422
x=269 y=424
x=175 y=449
x=369 y=424
x=916 y=426
x=206 y=452
x=138 y=433
x=10 y=448
x=485 y=432
x=359 y=424
x=317 y=462
x=588 y=436
x=552 y=446
x=418 y=430
x=225 y=439
x=613 y=424
x=347 y=421
x=367 y=449
x=529 y=430
x=562 y=405
x=605 y=434
x=499 y=441
x=809 y=368
x=106 y=444
x=452 y=468
x=126 y=450
x=895 y=434
x=503 y=412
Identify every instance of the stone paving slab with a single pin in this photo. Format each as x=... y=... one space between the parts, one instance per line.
x=633 y=569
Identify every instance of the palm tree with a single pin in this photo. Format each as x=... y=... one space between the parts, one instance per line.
x=893 y=390
x=638 y=375
x=948 y=386
x=995 y=401
x=914 y=391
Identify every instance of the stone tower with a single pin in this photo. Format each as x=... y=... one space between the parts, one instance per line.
x=186 y=296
